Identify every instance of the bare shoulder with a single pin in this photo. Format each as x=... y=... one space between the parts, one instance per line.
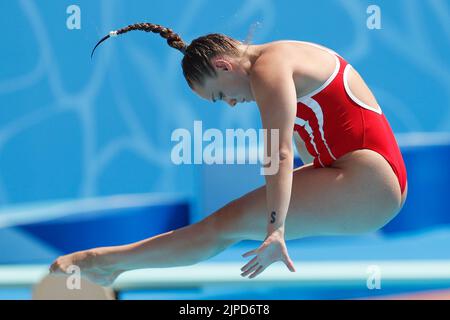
x=270 y=75
x=271 y=80
x=272 y=66
x=270 y=59
x=308 y=64
x=293 y=51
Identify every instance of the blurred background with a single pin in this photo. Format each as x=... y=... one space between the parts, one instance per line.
x=85 y=144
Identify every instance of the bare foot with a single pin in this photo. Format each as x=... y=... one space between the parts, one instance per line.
x=91 y=265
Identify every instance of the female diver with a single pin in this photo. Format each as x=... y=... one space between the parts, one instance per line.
x=353 y=179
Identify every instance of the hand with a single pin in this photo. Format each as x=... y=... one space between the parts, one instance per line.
x=273 y=249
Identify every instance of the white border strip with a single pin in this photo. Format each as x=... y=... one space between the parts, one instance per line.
x=313 y=274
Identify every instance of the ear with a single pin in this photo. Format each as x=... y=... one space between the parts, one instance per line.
x=223 y=65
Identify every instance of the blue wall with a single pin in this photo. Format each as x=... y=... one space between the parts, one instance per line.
x=71 y=127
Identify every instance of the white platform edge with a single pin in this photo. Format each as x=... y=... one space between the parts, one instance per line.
x=315 y=274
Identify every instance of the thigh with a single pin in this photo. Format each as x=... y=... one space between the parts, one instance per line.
x=350 y=199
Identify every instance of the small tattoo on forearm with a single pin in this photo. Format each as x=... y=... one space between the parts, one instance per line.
x=272 y=216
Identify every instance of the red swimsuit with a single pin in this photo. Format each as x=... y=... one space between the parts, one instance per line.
x=332 y=121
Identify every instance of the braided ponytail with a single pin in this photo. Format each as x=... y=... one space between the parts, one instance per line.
x=196 y=63
x=173 y=39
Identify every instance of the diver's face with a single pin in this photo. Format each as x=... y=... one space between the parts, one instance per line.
x=231 y=84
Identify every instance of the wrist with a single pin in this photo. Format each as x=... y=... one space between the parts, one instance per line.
x=277 y=230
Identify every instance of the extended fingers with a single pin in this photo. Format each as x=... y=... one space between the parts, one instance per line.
x=290 y=265
x=249 y=264
x=258 y=271
x=288 y=262
x=250 y=270
x=249 y=253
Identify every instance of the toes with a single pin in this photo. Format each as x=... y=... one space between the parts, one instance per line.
x=55 y=267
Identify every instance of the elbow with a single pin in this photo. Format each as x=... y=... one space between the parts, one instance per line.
x=285 y=154
x=281 y=159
